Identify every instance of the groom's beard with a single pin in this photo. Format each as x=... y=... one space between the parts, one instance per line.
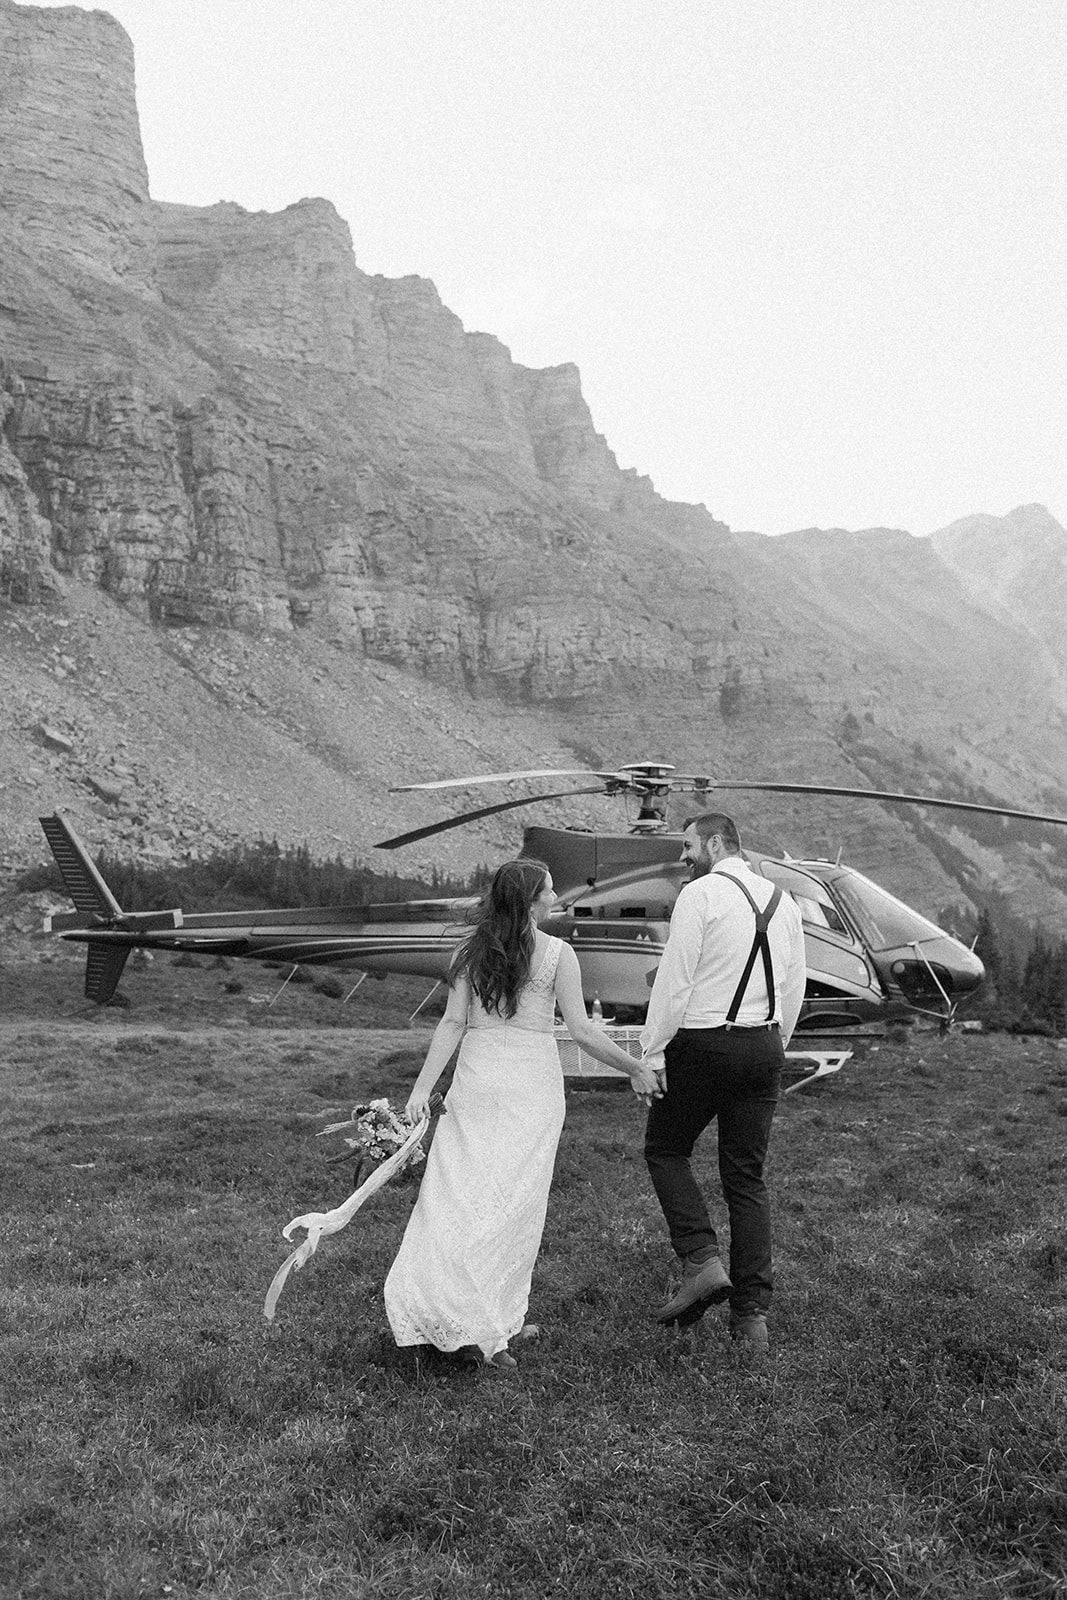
x=698 y=869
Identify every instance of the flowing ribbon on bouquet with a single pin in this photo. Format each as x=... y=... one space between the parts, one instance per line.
x=320 y=1223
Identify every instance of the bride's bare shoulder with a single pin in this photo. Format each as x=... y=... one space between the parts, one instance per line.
x=543 y=944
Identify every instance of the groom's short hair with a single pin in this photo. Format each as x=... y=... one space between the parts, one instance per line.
x=712 y=822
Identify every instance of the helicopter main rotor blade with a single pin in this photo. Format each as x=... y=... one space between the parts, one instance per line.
x=896 y=799
x=502 y=777
x=472 y=816
x=635 y=776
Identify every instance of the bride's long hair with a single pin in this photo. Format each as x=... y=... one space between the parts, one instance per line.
x=496 y=954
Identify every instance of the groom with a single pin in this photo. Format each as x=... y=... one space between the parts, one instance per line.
x=723 y=1007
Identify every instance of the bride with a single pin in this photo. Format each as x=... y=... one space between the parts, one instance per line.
x=461 y=1279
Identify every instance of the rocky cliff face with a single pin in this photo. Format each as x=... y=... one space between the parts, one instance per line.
x=75 y=186
x=214 y=420
x=25 y=536
x=255 y=433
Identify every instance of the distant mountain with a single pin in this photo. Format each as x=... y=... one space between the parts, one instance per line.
x=1016 y=568
x=309 y=537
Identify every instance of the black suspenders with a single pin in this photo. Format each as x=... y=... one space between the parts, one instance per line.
x=760 y=945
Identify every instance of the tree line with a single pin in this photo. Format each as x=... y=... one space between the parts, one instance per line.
x=258 y=875
x=1025 y=989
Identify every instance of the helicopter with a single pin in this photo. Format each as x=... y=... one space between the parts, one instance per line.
x=870 y=956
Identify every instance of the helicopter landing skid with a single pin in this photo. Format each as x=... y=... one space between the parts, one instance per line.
x=822 y=1064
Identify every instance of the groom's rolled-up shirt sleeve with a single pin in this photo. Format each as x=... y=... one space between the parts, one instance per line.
x=675 y=975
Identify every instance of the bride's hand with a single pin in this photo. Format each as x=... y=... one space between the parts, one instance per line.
x=418 y=1106
x=646 y=1083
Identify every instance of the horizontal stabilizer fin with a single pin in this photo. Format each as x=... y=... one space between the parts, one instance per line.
x=103 y=969
x=83 y=881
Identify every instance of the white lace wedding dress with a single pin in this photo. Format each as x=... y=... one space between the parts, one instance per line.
x=462 y=1274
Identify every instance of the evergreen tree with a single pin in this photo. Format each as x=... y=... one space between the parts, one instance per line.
x=1058 y=987
x=998 y=1002
x=987 y=945
x=1042 y=998
x=1009 y=991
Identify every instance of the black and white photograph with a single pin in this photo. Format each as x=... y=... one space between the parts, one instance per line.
x=533 y=800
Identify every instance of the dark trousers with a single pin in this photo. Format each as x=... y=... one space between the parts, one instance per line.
x=732 y=1074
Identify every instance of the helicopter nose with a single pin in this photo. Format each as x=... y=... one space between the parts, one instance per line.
x=932 y=966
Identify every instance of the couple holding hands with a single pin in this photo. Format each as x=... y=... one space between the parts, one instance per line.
x=723 y=1006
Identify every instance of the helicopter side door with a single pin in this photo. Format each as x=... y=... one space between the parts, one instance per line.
x=843 y=988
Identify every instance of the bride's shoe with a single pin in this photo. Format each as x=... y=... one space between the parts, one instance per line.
x=470 y=1355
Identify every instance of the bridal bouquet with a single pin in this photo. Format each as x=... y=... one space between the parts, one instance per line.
x=378 y=1132
x=381 y=1135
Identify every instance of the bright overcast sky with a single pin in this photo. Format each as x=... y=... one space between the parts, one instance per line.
x=810 y=256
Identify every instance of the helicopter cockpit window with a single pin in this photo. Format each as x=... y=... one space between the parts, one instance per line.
x=817 y=909
x=883 y=921
x=817 y=915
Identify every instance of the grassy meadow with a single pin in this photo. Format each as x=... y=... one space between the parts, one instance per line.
x=905 y=1438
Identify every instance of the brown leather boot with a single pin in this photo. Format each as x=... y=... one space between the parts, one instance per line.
x=750 y=1329
x=702 y=1286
